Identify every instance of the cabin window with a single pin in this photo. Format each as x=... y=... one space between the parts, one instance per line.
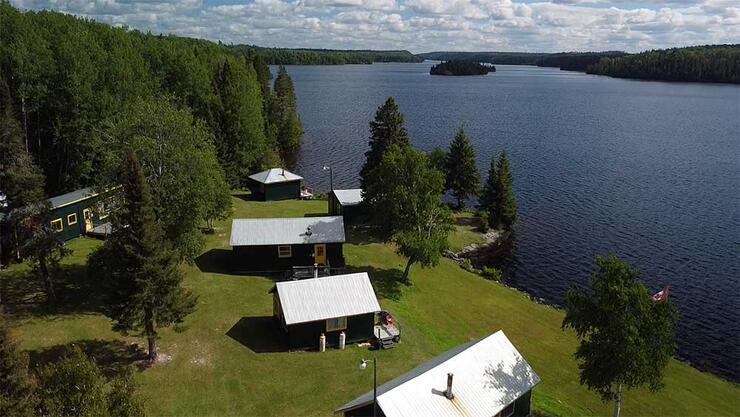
x=72 y=219
x=87 y=214
x=338 y=323
x=285 y=251
x=507 y=411
x=57 y=225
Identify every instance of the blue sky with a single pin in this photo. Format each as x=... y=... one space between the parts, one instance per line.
x=426 y=25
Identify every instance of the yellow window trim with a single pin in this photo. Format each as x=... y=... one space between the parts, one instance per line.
x=85 y=212
x=342 y=324
x=57 y=224
x=289 y=251
x=70 y=216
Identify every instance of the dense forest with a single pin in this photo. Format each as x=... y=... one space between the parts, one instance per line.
x=68 y=78
x=575 y=61
x=503 y=58
x=461 y=68
x=715 y=63
x=298 y=56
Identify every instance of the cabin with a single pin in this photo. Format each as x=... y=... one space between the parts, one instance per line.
x=78 y=213
x=275 y=184
x=346 y=203
x=487 y=377
x=280 y=244
x=332 y=305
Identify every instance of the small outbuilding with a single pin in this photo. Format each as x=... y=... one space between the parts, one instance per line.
x=483 y=378
x=275 y=184
x=78 y=213
x=347 y=203
x=279 y=244
x=331 y=305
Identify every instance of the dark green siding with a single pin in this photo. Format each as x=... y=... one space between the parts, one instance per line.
x=74 y=230
x=306 y=335
x=265 y=258
x=276 y=191
x=351 y=214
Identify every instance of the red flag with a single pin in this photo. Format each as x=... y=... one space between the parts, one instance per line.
x=661 y=295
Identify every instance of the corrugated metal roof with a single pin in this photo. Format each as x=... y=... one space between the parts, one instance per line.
x=71 y=197
x=287 y=231
x=489 y=374
x=349 y=197
x=274 y=175
x=326 y=297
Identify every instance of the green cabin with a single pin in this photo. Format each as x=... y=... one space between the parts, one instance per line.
x=275 y=246
x=275 y=184
x=78 y=213
x=346 y=203
x=330 y=306
x=485 y=377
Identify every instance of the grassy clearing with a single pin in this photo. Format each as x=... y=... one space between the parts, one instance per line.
x=466 y=231
x=226 y=361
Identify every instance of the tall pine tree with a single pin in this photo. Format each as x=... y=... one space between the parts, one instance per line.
x=141 y=275
x=387 y=129
x=462 y=175
x=17 y=396
x=505 y=204
x=284 y=114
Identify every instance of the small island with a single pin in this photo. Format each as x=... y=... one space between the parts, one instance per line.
x=456 y=67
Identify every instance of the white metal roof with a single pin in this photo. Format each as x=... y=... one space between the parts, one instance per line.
x=326 y=297
x=287 y=231
x=349 y=197
x=489 y=374
x=274 y=175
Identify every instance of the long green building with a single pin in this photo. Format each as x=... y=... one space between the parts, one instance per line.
x=79 y=213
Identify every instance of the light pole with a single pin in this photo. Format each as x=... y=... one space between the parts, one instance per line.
x=363 y=365
x=331 y=177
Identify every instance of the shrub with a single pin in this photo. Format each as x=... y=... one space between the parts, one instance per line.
x=494 y=274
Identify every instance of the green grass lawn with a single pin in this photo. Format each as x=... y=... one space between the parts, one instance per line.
x=224 y=363
x=466 y=231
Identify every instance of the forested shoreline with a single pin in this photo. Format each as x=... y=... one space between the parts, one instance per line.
x=306 y=56
x=711 y=63
x=452 y=68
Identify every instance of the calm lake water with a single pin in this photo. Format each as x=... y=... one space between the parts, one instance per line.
x=649 y=171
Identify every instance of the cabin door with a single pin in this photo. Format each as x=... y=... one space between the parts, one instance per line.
x=87 y=214
x=319 y=254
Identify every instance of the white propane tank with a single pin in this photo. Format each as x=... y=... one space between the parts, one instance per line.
x=342 y=338
x=322 y=343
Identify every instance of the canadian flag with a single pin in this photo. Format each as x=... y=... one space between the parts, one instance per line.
x=661 y=295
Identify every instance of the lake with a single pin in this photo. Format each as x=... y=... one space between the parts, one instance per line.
x=649 y=171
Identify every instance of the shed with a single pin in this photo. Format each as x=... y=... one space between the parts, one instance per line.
x=326 y=305
x=77 y=213
x=483 y=378
x=279 y=244
x=275 y=184
x=347 y=203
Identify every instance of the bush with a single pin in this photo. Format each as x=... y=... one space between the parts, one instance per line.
x=494 y=274
x=483 y=217
x=468 y=266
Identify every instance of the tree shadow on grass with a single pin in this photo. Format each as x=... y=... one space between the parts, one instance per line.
x=387 y=283
x=260 y=334
x=77 y=293
x=215 y=260
x=112 y=356
x=362 y=234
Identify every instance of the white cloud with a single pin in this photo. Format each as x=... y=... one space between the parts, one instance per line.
x=423 y=25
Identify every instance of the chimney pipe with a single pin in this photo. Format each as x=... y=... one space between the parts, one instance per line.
x=448 y=392
x=315 y=270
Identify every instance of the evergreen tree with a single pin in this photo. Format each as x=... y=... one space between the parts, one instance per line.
x=627 y=338
x=17 y=389
x=387 y=129
x=41 y=244
x=462 y=175
x=438 y=159
x=505 y=204
x=284 y=114
x=142 y=277
x=488 y=197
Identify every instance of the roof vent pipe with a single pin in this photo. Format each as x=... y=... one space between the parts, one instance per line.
x=315 y=270
x=448 y=392
x=283 y=174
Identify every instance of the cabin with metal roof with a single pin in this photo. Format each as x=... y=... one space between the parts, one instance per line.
x=275 y=184
x=331 y=305
x=280 y=244
x=487 y=377
x=346 y=203
x=78 y=213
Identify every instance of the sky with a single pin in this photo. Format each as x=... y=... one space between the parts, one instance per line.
x=425 y=25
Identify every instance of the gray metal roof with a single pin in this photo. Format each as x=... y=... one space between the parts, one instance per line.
x=64 y=199
x=326 y=297
x=274 y=175
x=351 y=197
x=287 y=231
x=489 y=374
